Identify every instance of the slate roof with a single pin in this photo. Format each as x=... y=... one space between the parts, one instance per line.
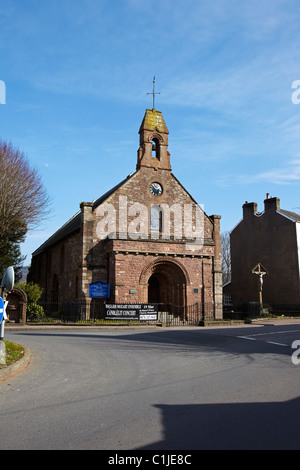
x=291 y=215
x=74 y=224
x=69 y=227
x=101 y=199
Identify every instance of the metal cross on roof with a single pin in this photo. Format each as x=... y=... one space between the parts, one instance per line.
x=153 y=93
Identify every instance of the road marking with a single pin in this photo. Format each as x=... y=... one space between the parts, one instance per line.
x=249 y=338
x=246 y=337
x=273 y=333
x=278 y=344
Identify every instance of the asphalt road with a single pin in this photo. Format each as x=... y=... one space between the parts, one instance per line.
x=163 y=389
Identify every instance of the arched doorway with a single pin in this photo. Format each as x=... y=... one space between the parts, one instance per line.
x=16 y=308
x=153 y=290
x=165 y=283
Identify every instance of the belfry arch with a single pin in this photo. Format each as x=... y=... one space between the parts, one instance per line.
x=164 y=282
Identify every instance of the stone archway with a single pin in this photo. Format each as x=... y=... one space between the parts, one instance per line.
x=164 y=282
x=16 y=308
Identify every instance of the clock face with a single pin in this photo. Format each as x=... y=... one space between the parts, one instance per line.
x=156 y=189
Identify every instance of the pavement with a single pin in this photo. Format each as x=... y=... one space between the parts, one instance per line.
x=16 y=367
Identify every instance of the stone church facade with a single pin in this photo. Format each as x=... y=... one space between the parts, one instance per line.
x=146 y=237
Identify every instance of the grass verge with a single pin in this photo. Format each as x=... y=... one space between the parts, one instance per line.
x=13 y=353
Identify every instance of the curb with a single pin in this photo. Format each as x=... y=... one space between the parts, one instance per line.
x=70 y=326
x=16 y=367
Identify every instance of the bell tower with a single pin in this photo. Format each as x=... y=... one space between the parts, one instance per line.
x=153 y=151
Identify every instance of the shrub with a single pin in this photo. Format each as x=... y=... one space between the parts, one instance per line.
x=33 y=292
x=35 y=311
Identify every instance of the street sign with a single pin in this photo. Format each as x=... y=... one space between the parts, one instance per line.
x=99 y=290
x=5 y=317
x=1 y=309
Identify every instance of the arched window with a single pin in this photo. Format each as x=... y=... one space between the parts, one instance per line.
x=49 y=260
x=62 y=259
x=76 y=287
x=155 y=148
x=156 y=219
x=55 y=293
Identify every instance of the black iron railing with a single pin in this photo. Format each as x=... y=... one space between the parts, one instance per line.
x=94 y=312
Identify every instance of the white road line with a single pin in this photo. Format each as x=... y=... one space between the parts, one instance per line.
x=249 y=338
x=275 y=333
x=246 y=337
x=278 y=344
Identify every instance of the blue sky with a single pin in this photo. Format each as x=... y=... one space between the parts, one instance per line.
x=77 y=73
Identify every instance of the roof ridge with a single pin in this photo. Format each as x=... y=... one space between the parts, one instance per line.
x=72 y=224
x=63 y=229
x=102 y=198
x=291 y=214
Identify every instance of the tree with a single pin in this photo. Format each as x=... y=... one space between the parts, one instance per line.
x=23 y=199
x=226 y=257
x=10 y=255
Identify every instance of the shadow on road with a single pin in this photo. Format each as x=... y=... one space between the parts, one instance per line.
x=242 y=426
x=258 y=425
x=183 y=340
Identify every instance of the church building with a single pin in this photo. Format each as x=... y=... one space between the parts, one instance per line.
x=147 y=238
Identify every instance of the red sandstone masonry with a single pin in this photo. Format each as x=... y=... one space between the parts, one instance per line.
x=127 y=264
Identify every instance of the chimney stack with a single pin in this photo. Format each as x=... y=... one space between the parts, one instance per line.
x=249 y=208
x=272 y=203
